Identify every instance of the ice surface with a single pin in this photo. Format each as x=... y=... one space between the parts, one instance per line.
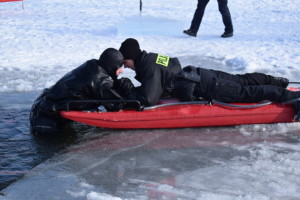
x=215 y=163
x=40 y=44
x=141 y=25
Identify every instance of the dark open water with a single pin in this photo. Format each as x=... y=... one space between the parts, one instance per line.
x=20 y=150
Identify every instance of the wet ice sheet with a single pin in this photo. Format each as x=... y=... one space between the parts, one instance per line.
x=214 y=163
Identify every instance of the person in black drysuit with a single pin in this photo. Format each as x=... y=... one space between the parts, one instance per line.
x=191 y=83
x=94 y=79
x=198 y=15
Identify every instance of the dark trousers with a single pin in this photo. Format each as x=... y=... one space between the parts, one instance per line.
x=43 y=118
x=230 y=91
x=250 y=87
x=223 y=8
x=244 y=79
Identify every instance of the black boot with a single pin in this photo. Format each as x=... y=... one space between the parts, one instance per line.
x=297 y=111
x=294 y=98
x=289 y=96
x=227 y=34
x=190 y=32
x=279 y=81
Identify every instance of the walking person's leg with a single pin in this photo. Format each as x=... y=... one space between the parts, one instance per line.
x=197 y=19
x=226 y=17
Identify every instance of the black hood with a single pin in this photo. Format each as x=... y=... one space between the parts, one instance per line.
x=111 y=59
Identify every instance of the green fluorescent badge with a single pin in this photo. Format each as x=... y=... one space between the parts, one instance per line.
x=162 y=60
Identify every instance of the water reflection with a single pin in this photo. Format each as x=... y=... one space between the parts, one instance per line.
x=20 y=150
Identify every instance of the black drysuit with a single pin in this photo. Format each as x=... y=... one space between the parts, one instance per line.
x=88 y=81
x=156 y=74
x=221 y=86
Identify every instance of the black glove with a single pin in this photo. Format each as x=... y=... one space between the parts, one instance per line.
x=124 y=86
x=112 y=107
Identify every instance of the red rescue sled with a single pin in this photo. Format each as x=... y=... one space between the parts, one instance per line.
x=182 y=115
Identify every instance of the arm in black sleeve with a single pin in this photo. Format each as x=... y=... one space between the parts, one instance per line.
x=105 y=89
x=151 y=86
x=125 y=88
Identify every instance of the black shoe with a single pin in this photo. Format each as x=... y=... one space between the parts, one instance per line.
x=190 y=33
x=291 y=97
x=281 y=82
x=297 y=116
x=297 y=111
x=227 y=34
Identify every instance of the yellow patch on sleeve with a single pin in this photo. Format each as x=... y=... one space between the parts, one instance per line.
x=162 y=60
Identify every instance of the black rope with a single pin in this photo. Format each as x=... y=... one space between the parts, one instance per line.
x=294 y=82
x=178 y=103
x=291 y=101
x=241 y=106
x=141 y=5
x=230 y=105
x=136 y=103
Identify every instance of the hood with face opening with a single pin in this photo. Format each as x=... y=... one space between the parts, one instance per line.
x=111 y=60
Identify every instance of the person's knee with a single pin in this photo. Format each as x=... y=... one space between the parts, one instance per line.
x=44 y=125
